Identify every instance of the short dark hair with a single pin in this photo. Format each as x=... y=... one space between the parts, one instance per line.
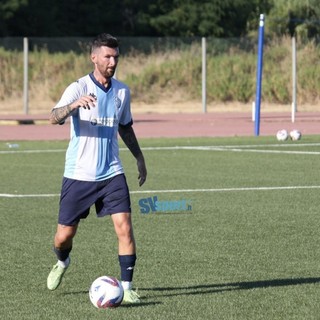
x=104 y=40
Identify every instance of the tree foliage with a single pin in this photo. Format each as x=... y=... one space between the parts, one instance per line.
x=295 y=17
x=180 y=18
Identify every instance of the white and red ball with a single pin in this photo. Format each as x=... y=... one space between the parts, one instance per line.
x=282 y=135
x=295 y=135
x=106 y=292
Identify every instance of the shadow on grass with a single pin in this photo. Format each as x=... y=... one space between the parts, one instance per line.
x=123 y=305
x=232 y=286
x=141 y=304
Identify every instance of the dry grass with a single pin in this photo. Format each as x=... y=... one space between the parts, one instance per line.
x=40 y=105
x=170 y=82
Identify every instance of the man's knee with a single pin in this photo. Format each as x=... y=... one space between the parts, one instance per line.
x=65 y=234
x=122 y=223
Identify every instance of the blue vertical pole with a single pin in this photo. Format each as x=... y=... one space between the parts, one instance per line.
x=259 y=75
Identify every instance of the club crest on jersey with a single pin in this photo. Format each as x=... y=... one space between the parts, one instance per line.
x=117 y=102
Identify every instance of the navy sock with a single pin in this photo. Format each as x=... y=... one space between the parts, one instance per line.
x=127 y=263
x=62 y=254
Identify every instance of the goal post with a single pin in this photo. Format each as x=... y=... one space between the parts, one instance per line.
x=256 y=105
x=259 y=75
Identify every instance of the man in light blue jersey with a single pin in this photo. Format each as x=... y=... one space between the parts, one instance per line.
x=99 y=108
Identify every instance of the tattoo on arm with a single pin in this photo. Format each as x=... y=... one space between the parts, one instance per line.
x=59 y=115
x=129 y=138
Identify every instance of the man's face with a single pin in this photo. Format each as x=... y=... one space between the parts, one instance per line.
x=105 y=60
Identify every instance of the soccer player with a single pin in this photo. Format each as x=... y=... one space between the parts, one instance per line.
x=99 y=108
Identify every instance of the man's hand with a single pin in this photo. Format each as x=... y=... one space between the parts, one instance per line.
x=59 y=115
x=142 y=170
x=85 y=102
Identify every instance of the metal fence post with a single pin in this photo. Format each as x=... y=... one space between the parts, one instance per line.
x=25 y=75
x=204 y=76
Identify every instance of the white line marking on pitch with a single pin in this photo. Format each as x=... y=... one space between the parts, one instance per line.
x=8 y=195
x=227 y=189
x=213 y=148
x=32 y=151
x=50 y=195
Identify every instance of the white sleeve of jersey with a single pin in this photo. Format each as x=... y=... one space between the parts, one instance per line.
x=71 y=94
x=126 y=116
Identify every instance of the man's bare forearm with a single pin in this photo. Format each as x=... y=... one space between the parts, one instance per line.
x=59 y=115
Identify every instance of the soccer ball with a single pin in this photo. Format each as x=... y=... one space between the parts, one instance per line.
x=295 y=135
x=282 y=135
x=106 y=292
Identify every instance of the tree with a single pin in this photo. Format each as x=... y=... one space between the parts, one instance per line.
x=178 y=18
x=242 y=17
x=187 y=17
x=219 y=18
x=295 y=16
x=45 y=18
x=8 y=9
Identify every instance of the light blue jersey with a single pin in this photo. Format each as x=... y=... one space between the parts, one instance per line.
x=93 y=152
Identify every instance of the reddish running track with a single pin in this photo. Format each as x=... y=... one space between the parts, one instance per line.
x=20 y=127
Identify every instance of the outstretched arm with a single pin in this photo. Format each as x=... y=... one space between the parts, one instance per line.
x=129 y=138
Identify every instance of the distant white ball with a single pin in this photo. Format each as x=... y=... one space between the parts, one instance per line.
x=282 y=135
x=106 y=292
x=295 y=135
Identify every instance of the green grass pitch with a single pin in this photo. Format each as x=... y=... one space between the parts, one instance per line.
x=247 y=249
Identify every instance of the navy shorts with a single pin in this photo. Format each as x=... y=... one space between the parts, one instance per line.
x=109 y=196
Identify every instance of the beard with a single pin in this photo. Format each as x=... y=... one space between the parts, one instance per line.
x=109 y=73
x=106 y=72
